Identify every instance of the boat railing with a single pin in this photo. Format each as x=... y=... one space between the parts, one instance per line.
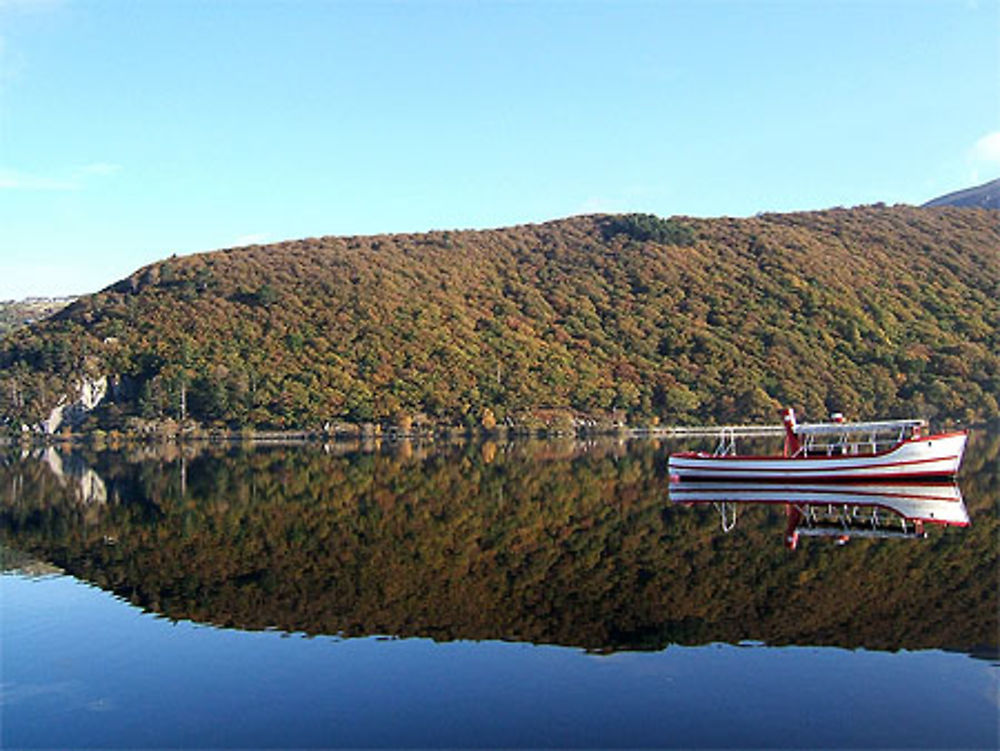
x=829 y=438
x=879 y=534
x=727 y=443
x=845 y=447
x=727 y=512
x=840 y=521
x=713 y=431
x=819 y=520
x=853 y=439
x=881 y=427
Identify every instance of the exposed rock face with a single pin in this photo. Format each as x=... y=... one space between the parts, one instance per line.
x=89 y=393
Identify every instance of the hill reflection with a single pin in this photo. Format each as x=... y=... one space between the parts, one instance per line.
x=570 y=544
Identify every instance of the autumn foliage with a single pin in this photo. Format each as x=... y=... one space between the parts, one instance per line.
x=873 y=311
x=573 y=544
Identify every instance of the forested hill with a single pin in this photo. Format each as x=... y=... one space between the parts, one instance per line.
x=869 y=311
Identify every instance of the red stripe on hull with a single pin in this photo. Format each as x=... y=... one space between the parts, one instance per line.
x=707 y=464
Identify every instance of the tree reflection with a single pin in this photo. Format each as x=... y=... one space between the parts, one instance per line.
x=566 y=543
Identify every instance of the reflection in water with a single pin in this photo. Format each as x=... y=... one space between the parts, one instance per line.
x=571 y=544
x=840 y=512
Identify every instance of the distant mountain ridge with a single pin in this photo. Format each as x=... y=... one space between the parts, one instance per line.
x=985 y=196
x=871 y=311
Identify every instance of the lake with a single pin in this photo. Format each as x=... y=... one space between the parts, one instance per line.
x=496 y=594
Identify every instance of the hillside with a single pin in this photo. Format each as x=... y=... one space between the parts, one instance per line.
x=985 y=196
x=17 y=313
x=869 y=311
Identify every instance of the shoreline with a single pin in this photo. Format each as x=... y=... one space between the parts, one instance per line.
x=192 y=434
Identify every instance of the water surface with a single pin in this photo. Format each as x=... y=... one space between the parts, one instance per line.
x=544 y=595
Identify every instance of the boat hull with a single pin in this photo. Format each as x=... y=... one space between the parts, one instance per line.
x=934 y=457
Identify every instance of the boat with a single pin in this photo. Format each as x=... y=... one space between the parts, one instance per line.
x=836 y=451
x=840 y=512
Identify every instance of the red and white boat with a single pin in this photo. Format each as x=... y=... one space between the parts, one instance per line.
x=886 y=451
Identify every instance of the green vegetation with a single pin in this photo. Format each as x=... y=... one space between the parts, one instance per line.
x=648 y=228
x=872 y=311
x=519 y=541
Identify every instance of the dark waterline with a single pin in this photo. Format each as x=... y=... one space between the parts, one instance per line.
x=534 y=636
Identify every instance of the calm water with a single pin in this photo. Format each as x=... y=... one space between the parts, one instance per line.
x=513 y=595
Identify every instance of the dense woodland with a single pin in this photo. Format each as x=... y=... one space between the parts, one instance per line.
x=555 y=543
x=872 y=311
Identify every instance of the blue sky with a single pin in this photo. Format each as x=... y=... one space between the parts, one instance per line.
x=133 y=130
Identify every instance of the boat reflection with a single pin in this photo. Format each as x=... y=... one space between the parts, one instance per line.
x=837 y=512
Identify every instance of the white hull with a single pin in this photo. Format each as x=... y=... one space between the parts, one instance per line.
x=937 y=456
